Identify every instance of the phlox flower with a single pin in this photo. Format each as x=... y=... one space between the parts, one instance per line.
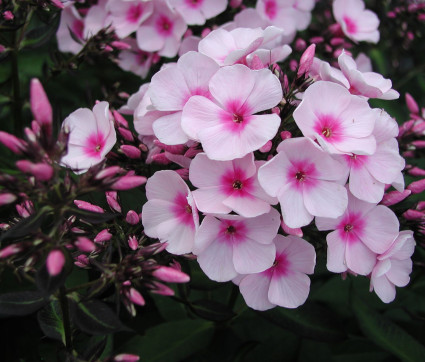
x=195 y=12
x=362 y=232
x=231 y=47
x=227 y=125
x=306 y=181
x=135 y=60
x=162 y=31
x=172 y=87
x=229 y=245
x=97 y=18
x=70 y=21
x=357 y=23
x=370 y=174
x=170 y=213
x=225 y=186
x=91 y=136
x=127 y=16
x=339 y=121
x=393 y=267
x=285 y=283
x=368 y=84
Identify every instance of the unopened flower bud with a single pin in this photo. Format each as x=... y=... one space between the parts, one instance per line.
x=7 y=198
x=291 y=231
x=40 y=106
x=267 y=147
x=183 y=173
x=300 y=45
x=85 y=244
x=10 y=250
x=133 y=243
x=131 y=151
x=306 y=61
x=413 y=215
x=161 y=159
x=125 y=357
x=82 y=261
x=120 y=119
x=132 y=218
x=417 y=187
x=8 y=15
x=112 y=200
x=84 y=205
x=128 y=182
x=13 y=143
x=170 y=275
x=102 y=236
x=284 y=135
x=416 y=171
x=162 y=289
x=394 y=197
x=136 y=297
x=57 y=3
x=126 y=134
x=108 y=172
x=55 y=262
x=120 y=45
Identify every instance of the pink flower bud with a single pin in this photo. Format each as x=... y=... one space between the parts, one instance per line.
x=192 y=152
x=85 y=244
x=108 y=172
x=161 y=159
x=22 y=211
x=391 y=15
x=10 y=250
x=2 y=48
x=417 y=187
x=416 y=171
x=40 y=105
x=291 y=231
x=337 y=41
x=153 y=249
x=421 y=17
x=413 y=215
x=162 y=289
x=102 y=236
x=128 y=182
x=418 y=143
x=420 y=206
x=300 y=45
x=394 y=197
x=184 y=173
x=55 y=262
x=126 y=134
x=8 y=15
x=317 y=40
x=125 y=357
x=170 y=275
x=234 y=4
x=120 y=119
x=82 y=261
x=120 y=45
x=205 y=32
x=306 y=60
x=132 y=218
x=7 y=198
x=40 y=171
x=284 y=135
x=293 y=64
x=267 y=147
x=405 y=127
x=112 y=200
x=131 y=151
x=136 y=297
x=133 y=243
x=13 y=143
x=84 y=205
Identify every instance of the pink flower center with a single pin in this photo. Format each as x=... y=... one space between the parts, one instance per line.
x=351 y=227
x=280 y=267
x=194 y=3
x=235 y=116
x=182 y=210
x=134 y=13
x=350 y=24
x=329 y=127
x=235 y=183
x=164 y=26
x=270 y=8
x=302 y=174
x=141 y=57
x=94 y=145
x=356 y=161
x=232 y=232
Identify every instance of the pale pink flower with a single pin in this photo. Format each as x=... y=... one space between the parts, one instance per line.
x=189 y=43
x=162 y=31
x=127 y=16
x=97 y=18
x=393 y=267
x=231 y=47
x=135 y=60
x=170 y=213
x=70 y=21
x=361 y=233
x=227 y=126
x=172 y=87
x=367 y=84
x=357 y=23
x=339 y=121
x=195 y=12
x=225 y=186
x=370 y=174
x=321 y=70
x=306 y=181
x=134 y=100
x=229 y=245
x=285 y=283
x=91 y=136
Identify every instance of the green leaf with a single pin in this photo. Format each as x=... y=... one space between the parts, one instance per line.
x=386 y=334
x=92 y=217
x=21 y=303
x=310 y=320
x=212 y=310
x=50 y=321
x=95 y=317
x=172 y=341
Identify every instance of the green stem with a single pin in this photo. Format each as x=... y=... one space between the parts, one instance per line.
x=66 y=320
x=82 y=286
